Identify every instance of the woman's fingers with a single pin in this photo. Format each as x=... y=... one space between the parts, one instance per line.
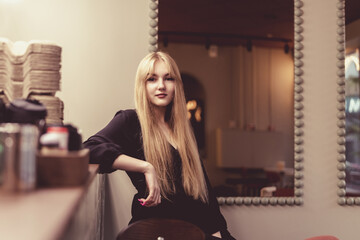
x=153 y=199
x=150 y=201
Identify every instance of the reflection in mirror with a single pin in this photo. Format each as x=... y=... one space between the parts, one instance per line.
x=237 y=63
x=349 y=165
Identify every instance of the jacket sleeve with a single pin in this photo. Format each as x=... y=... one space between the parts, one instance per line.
x=112 y=141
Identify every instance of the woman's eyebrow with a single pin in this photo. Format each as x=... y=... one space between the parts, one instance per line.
x=155 y=75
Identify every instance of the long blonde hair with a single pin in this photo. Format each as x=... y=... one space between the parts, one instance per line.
x=157 y=149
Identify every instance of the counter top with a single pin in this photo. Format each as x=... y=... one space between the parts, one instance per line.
x=42 y=214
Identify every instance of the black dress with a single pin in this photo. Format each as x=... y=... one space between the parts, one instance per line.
x=123 y=136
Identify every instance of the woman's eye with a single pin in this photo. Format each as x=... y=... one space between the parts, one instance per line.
x=169 y=79
x=151 y=79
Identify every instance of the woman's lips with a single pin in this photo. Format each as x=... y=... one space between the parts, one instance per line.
x=161 y=95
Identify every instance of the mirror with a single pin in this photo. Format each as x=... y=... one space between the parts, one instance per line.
x=349 y=102
x=240 y=106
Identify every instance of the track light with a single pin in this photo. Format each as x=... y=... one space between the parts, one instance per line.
x=207 y=44
x=249 y=45
x=166 y=41
x=286 y=48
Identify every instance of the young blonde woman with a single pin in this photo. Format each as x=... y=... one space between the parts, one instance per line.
x=155 y=145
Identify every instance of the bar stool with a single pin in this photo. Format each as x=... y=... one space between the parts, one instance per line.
x=161 y=229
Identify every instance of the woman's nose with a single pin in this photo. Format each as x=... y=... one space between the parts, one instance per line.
x=161 y=84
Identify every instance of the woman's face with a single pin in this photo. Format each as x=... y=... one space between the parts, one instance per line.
x=160 y=86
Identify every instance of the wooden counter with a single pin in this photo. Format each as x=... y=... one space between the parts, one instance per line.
x=52 y=213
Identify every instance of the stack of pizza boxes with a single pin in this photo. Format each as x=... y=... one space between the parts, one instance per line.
x=31 y=70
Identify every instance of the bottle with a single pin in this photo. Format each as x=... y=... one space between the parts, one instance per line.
x=60 y=134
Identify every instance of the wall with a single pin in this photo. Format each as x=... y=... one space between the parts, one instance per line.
x=81 y=34
x=100 y=52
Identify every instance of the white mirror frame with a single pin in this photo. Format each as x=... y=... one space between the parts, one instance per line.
x=298 y=113
x=343 y=200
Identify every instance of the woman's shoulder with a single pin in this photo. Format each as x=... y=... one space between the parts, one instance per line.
x=127 y=113
x=127 y=117
x=124 y=122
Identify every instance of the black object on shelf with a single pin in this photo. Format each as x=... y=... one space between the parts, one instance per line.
x=26 y=111
x=75 y=139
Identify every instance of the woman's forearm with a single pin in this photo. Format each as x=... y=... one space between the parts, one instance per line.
x=127 y=163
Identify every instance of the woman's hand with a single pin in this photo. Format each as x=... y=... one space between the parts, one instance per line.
x=154 y=197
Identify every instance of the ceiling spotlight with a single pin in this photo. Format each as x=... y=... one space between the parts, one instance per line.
x=286 y=48
x=166 y=41
x=207 y=44
x=249 y=45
